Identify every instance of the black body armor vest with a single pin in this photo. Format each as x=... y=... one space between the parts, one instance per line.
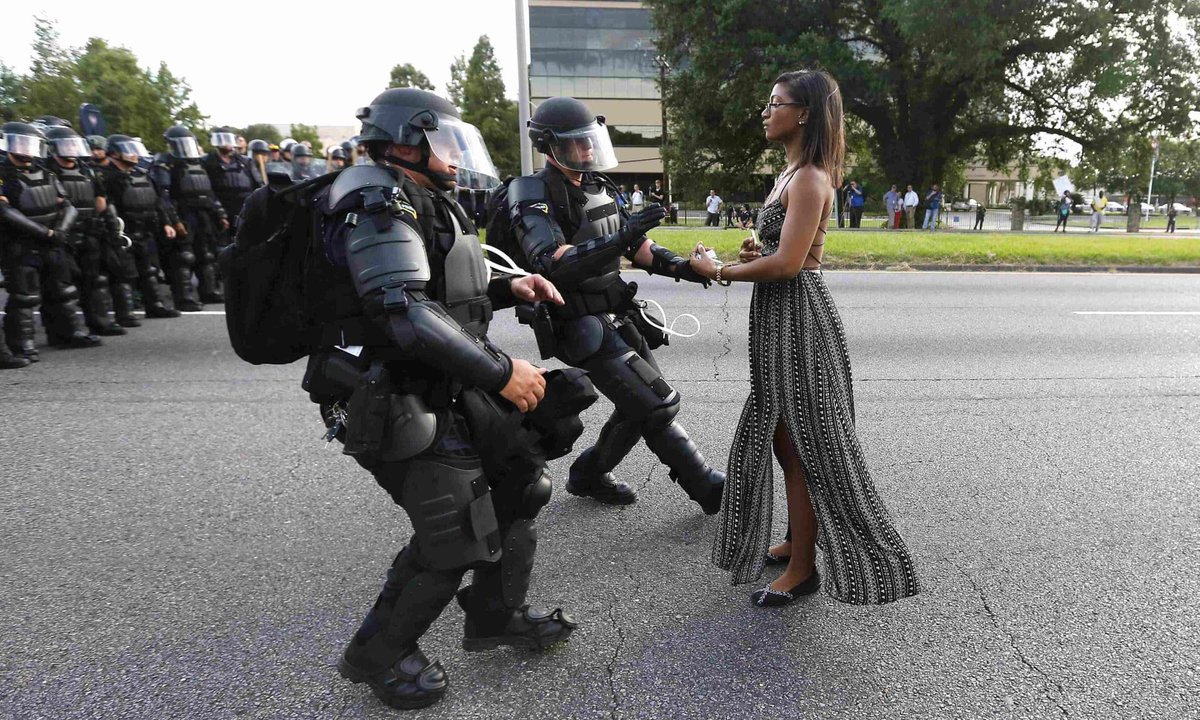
x=80 y=187
x=138 y=200
x=39 y=195
x=190 y=186
x=231 y=182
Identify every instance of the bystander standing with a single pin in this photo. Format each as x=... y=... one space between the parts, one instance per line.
x=980 y=211
x=933 y=205
x=911 y=200
x=1098 y=204
x=889 y=205
x=622 y=197
x=1171 y=213
x=713 y=205
x=856 y=201
x=1064 y=211
x=637 y=199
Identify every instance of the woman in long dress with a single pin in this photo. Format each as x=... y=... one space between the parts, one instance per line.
x=801 y=401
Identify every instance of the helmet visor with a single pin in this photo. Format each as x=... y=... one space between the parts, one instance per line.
x=70 y=147
x=584 y=149
x=222 y=140
x=28 y=145
x=132 y=149
x=185 y=147
x=459 y=144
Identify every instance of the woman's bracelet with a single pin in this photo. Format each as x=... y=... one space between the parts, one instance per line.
x=719 y=281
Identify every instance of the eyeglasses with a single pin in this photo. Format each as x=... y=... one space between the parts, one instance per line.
x=770 y=107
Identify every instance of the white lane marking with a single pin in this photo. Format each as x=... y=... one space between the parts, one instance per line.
x=1136 y=312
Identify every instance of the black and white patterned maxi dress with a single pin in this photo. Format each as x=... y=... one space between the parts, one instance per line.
x=800 y=374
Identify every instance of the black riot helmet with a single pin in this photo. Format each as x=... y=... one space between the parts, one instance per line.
x=65 y=143
x=23 y=140
x=52 y=121
x=97 y=142
x=337 y=154
x=181 y=143
x=260 y=147
x=565 y=129
x=223 y=138
x=126 y=149
x=421 y=119
x=301 y=150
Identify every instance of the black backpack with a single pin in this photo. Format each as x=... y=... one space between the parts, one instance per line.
x=264 y=271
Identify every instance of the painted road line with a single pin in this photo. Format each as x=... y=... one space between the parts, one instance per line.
x=1136 y=312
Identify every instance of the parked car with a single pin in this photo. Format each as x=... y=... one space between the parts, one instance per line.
x=1180 y=209
x=1115 y=207
x=964 y=205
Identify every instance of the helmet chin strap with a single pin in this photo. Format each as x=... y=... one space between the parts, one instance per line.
x=444 y=181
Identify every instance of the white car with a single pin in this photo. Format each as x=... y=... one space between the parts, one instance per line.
x=1180 y=209
x=1115 y=207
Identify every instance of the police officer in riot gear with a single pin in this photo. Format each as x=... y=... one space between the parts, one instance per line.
x=302 y=163
x=260 y=155
x=570 y=228
x=439 y=411
x=337 y=159
x=136 y=199
x=99 y=150
x=94 y=228
x=202 y=220
x=37 y=217
x=230 y=173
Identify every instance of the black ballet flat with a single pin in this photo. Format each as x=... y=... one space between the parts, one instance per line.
x=768 y=597
x=773 y=559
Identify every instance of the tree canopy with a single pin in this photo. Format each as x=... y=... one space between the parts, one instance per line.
x=933 y=82
x=477 y=88
x=300 y=132
x=407 y=75
x=262 y=131
x=134 y=100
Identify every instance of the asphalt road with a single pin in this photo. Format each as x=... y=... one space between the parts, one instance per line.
x=178 y=543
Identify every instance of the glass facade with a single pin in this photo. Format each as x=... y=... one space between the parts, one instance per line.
x=592 y=53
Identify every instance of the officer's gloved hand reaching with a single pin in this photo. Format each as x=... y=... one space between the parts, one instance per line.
x=642 y=222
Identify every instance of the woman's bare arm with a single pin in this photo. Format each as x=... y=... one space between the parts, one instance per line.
x=807 y=204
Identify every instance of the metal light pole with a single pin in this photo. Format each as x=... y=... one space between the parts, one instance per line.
x=522 y=7
x=1150 y=189
x=663 y=67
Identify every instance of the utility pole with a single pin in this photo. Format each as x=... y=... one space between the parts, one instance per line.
x=522 y=7
x=663 y=67
x=1150 y=189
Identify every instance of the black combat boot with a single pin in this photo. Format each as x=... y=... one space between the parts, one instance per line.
x=591 y=473
x=676 y=450
x=122 y=298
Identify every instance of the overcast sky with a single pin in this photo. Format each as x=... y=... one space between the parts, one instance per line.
x=275 y=62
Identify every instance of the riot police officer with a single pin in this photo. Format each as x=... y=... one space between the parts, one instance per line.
x=302 y=163
x=138 y=202
x=201 y=220
x=439 y=414
x=94 y=228
x=99 y=153
x=569 y=228
x=260 y=155
x=38 y=218
x=230 y=173
x=337 y=159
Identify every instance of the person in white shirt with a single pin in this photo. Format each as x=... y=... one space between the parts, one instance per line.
x=910 y=205
x=1098 y=205
x=637 y=199
x=713 y=204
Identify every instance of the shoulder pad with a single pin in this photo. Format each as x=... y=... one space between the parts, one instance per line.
x=355 y=178
x=527 y=189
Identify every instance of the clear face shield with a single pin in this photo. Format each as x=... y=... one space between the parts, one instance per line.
x=27 y=145
x=460 y=144
x=74 y=147
x=223 y=140
x=184 y=147
x=585 y=149
x=131 y=151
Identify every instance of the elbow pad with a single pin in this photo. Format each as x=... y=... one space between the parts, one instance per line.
x=66 y=219
x=423 y=328
x=17 y=220
x=532 y=224
x=665 y=262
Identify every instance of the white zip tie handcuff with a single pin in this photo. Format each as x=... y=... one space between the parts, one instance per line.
x=513 y=269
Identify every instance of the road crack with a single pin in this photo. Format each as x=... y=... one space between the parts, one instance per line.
x=727 y=339
x=1012 y=641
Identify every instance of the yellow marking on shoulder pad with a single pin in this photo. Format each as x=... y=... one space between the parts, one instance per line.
x=543 y=207
x=406 y=209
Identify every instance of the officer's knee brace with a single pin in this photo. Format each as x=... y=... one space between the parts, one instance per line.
x=634 y=385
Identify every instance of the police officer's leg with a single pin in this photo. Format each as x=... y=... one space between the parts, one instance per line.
x=178 y=261
x=118 y=264
x=93 y=283
x=497 y=611
x=60 y=300
x=24 y=294
x=9 y=338
x=205 y=248
x=625 y=371
x=145 y=247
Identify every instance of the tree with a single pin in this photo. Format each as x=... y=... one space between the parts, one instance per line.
x=477 y=88
x=262 y=131
x=11 y=93
x=407 y=75
x=51 y=87
x=300 y=132
x=935 y=81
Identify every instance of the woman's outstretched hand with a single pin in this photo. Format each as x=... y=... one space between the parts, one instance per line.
x=702 y=263
x=751 y=250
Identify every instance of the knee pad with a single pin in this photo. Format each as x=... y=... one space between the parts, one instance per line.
x=186 y=258
x=632 y=383
x=520 y=545
x=100 y=282
x=535 y=496
x=25 y=300
x=663 y=416
x=62 y=293
x=581 y=338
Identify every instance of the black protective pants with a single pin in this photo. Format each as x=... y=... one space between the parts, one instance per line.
x=89 y=275
x=144 y=253
x=421 y=581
